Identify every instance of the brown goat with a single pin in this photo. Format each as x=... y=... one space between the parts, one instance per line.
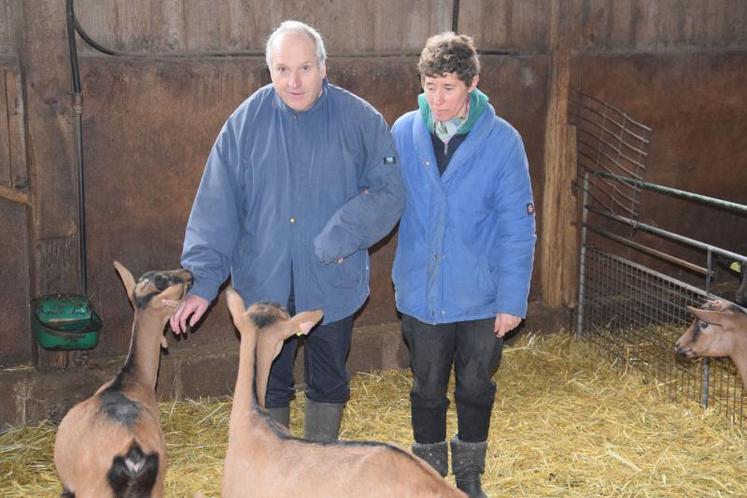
x=719 y=329
x=111 y=445
x=263 y=460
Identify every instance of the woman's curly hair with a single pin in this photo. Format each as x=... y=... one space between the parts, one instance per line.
x=450 y=53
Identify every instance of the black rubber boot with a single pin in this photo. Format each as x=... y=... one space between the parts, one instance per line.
x=322 y=420
x=468 y=464
x=280 y=415
x=436 y=455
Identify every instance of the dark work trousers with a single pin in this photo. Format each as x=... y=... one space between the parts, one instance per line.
x=475 y=353
x=325 y=351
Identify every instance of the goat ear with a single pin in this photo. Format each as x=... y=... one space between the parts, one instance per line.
x=716 y=305
x=268 y=348
x=265 y=354
x=127 y=279
x=305 y=321
x=709 y=316
x=235 y=303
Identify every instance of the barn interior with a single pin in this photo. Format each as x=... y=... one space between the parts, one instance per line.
x=157 y=79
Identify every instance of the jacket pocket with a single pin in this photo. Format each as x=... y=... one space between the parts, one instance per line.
x=408 y=276
x=345 y=275
x=470 y=284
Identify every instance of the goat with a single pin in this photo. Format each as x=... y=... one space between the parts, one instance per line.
x=719 y=329
x=263 y=460
x=736 y=269
x=740 y=268
x=111 y=445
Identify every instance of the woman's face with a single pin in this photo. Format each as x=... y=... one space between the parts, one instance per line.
x=447 y=95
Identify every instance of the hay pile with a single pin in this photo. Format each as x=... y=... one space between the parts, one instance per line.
x=564 y=424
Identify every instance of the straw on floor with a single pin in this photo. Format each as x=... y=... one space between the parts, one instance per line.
x=564 y=424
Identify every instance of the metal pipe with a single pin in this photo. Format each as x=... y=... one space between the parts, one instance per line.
x=582 y=257
x=669 y=235
x=78 y=122
x=741 y=208
x=654 y=252
x=706 y=378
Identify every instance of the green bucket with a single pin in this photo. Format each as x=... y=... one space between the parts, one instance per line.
x=64 y=322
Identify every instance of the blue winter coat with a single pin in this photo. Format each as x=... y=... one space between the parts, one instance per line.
x=466 y=239
x=286 y=189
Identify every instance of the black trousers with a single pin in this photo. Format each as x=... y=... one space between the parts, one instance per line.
x=475 y=353
x=325 y=369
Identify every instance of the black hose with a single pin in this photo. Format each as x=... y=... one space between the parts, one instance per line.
x=91 y=41
x=109 y=51
x=72 y=47
x=455 y=17
x=78 y=122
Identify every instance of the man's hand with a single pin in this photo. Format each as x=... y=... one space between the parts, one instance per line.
x=505 y=323
x=193 y=306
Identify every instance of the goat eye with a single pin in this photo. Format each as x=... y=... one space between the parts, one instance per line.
x=703 y=325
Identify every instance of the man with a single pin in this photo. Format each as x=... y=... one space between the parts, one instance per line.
x=301 y=181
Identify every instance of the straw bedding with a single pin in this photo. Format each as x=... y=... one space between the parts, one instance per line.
x=564 y=424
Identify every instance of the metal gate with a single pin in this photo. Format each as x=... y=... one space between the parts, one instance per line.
x=635 y=278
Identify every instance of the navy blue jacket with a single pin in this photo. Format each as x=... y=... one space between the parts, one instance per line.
x=466 y=239
x=283 y=188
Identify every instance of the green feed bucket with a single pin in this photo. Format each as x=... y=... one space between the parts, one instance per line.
x=64 y=322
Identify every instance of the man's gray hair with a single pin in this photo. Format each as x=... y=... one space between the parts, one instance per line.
x=299 y=28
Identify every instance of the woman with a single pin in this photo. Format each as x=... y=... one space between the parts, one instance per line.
x=465 y=252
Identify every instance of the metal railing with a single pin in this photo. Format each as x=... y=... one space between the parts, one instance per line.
x=636 y=278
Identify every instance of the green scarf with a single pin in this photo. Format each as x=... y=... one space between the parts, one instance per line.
x=447 y=129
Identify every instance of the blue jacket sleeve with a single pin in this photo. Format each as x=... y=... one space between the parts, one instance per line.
x=370 y=215
x=518 y=234
x=214 y=223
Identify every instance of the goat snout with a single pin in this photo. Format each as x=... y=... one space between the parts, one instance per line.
x=190 y=279
x=683 y=351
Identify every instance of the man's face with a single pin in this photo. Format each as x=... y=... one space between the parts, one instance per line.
x=295 y=72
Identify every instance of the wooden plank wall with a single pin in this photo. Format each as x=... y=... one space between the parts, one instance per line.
x=362 y=27
x=7 y=27
x=350 y=27
x=656 y=25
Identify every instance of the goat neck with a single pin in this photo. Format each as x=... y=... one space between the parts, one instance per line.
x=244 y=398
x=154 y=297
x=145 y=348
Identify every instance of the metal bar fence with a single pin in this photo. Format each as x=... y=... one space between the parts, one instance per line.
x=630 y=311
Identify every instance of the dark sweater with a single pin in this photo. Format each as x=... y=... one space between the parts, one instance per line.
x=445 y=151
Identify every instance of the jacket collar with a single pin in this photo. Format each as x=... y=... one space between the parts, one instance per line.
x=466 y=150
